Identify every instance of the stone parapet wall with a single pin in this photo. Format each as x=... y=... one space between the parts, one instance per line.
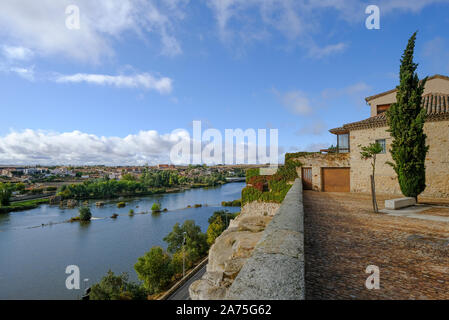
x=275 y=270
x=231 y=250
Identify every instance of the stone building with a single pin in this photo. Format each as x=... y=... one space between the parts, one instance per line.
x=343 y=170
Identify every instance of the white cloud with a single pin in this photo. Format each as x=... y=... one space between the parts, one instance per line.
x=40 y=25
x=315 y=128
x=321 y=52
x=144 y=80
x=295 y=101
x=42 y=147
x=299 y=21
x=17 y=53
x=26 y=73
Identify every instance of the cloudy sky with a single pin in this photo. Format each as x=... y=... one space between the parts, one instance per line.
x=114 y=90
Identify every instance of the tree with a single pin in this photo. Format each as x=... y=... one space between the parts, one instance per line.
x=215 y=229
x=196 y=241
x=370 y=152
x=154 y=268
x=5 y=194
x=117 y=287
x=128 y=177
x=85 y=214
x=406 y=120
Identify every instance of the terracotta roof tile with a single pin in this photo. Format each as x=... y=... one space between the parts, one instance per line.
x=436 y=104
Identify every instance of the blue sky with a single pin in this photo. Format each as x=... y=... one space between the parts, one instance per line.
x=114 y=90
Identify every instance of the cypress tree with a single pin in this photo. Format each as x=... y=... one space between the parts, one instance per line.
x=406 y=120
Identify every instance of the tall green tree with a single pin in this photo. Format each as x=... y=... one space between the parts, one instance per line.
x=406 y=120
x=154 y=268
x=195 y=240
x=117 y=287
x=5 y=194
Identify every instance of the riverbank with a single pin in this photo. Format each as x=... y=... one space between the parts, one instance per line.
x=34 y=258
x=34 y=203
x=23 y=205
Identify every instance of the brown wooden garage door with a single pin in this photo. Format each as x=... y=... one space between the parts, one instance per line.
x=335 y=179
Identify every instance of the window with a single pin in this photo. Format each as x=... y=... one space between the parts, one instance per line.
x=382 y=108
x=383 y=145
x=343 y=143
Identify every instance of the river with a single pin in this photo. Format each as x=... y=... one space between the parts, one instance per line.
x=33 y=257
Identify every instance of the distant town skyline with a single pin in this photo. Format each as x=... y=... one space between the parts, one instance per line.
x=113 y=91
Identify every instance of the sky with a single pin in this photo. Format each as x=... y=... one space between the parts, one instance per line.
x=117 y=88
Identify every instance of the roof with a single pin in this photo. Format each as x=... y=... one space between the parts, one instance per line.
x=436 y=104
x=436 y=76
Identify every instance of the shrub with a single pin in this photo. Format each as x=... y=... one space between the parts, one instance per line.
x=215 y=229
x=131 y=212
x=85 y=214
x=234 y=203
x=121 y=204
x=251 y=173
x=271 y=188
x=156 y=207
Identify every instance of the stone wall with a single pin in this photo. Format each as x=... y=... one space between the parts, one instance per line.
x=275 y=270
x=316 y=161
x=231 y=250
x=437 y=161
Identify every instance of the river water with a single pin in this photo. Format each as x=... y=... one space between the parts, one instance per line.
x=33 y=257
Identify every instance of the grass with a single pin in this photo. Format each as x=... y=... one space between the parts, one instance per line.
x=23 y=205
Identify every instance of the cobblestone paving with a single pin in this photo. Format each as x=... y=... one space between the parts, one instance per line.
x=343 y=236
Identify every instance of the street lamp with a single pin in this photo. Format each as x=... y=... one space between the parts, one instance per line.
x=184 y=255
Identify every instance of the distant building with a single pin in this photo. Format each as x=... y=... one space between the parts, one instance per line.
x=165 y=166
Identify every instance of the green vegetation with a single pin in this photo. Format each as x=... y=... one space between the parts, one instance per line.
x=155 y=269
x=158 y=268
x=406 y=119
x=121 y=204
x=117 y=287
x=131 y=212
x=270 y=188
x=196 y=243
x=156 y=207
x=234 y=203
x=22 y=205
x=218 y=223
x=214 y=230
x=85 y=214
x=150 y=182
x=370 y=152
x=252 y=173
x=289 y=156
x=5 y=194
x=197 y=205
